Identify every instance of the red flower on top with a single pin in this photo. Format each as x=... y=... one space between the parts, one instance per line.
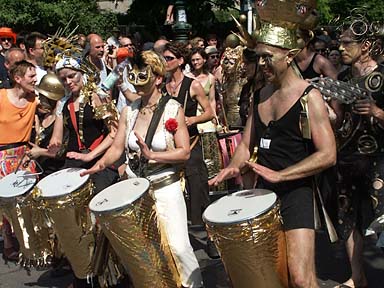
x=171 y=125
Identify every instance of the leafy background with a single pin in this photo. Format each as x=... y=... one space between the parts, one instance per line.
x=147 y=16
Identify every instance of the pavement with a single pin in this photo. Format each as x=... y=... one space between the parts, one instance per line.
x=331 y=262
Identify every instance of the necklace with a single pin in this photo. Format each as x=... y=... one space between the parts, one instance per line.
x=174 y=87
x=149 y=108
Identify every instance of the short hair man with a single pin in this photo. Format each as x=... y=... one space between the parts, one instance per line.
x=12 y=56
x=35 y=52
x=127 y=43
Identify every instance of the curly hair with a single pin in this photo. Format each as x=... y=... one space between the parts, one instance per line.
x=153 y=59
x=364 y=30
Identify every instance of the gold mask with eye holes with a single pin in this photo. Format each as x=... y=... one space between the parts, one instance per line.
x=139 y=77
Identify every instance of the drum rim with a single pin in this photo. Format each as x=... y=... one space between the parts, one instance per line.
x=4 y=198
x=86 y=177
x=263 y=212
x=98 y=212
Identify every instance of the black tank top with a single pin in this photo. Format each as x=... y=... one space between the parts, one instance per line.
x=92 y=128
x=281 y=145
x=190 y=108
x=308 y=73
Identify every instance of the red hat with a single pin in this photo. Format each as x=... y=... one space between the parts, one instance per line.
x=8 y=32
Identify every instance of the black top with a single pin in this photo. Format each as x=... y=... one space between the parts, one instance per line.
x=280 y=145
x=190 y=108
x=308 y=73
x=365 y=133
x=92 y=128
x=4 y=79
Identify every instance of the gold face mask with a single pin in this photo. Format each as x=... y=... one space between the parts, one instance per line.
x=140 y=77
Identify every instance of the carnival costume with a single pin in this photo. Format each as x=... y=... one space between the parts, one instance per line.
x=169 y=197
x=361 y=161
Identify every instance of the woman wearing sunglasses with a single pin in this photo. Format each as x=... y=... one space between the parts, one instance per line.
x=168 y=148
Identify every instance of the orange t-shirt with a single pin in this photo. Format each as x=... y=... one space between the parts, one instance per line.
x=15 y=123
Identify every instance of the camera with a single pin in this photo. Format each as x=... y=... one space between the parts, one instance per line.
x=110 y=49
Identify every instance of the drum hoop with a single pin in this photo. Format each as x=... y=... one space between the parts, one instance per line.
x=120 y=208
x=245 y=220
x=12 y=197
x=86 y=178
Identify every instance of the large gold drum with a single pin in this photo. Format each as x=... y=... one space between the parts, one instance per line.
x=246 y=229
x=127 y=216
x=28 y=219
x=65 y=196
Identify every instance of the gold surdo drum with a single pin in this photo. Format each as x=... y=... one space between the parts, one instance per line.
x=65 y=196
x=127 y=216
x=27 y=218
x=246 y=229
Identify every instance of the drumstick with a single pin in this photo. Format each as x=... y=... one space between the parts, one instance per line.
x=330 y=228
x=19 y=164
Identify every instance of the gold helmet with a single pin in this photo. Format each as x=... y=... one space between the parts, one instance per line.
x=281 y=18
x=51 y=87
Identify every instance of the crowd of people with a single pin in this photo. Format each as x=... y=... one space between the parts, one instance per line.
x=164 y=111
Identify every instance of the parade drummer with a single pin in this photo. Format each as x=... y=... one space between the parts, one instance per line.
x=360 y=138
x=278 y=126
x=17 y=113
x=169 y=147
x=90 y=119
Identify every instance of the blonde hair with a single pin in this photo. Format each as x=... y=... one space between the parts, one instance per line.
x=155 y=61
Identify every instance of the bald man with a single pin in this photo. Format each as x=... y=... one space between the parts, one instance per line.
x=96 y=54
x=11 y=56
x=160 y=45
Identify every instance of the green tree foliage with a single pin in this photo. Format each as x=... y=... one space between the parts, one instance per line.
x=48 y=15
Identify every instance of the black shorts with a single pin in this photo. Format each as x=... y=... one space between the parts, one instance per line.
x=297 y=208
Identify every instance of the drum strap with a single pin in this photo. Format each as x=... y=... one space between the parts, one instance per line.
x=152 y=129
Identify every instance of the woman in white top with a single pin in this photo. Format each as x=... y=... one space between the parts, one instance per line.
x=169 y=146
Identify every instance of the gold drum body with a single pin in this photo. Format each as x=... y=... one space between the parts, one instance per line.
x=65 y=196
x=127 y=215
x=246 y=229
x=27 y=218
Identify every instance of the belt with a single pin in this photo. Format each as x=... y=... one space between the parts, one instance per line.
x=165 y=181
x=12 y=145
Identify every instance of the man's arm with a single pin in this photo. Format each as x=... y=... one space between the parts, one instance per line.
x=323 y=140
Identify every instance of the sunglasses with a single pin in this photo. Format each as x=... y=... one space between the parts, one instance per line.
x=126 y=45
x=214 y=56
x=6 y=39
x=322 y=50
x=169 y=58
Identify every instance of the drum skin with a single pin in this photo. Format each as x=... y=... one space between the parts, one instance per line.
x=135 y=235
x=71 y=219
x=253 y=250
x=28 y=220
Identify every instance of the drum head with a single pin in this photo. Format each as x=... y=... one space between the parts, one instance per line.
x=62 y=182
x=119 y=195
x=16 y=184
x=239 y=207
